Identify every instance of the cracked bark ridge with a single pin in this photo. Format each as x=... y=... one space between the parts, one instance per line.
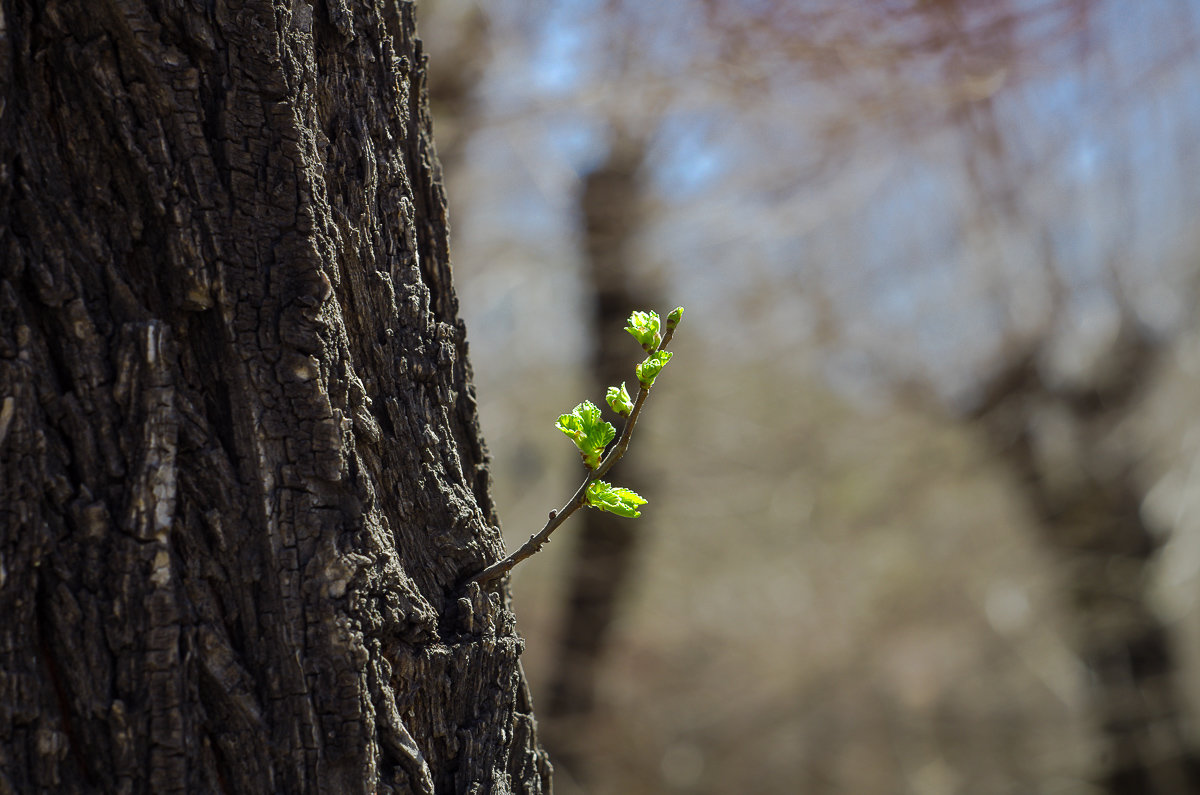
x=242 y=466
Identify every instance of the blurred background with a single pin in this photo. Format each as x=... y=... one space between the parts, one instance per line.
x=924 y=476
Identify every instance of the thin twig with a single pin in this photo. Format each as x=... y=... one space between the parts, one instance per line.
x=538 y=540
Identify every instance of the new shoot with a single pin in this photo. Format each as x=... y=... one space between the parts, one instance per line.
x=593 y=437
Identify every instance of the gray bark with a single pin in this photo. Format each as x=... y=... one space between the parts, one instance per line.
x=241 y=464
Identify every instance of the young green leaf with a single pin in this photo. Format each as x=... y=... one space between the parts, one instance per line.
x=675 y=316
x=644 y=326
x=619 y=400
x=614 y=499
x=648 y=370
x=590 y=433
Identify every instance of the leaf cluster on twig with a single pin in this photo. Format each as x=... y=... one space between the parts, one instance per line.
x=592 y=435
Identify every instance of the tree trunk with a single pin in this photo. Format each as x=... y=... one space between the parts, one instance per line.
x=242 y=469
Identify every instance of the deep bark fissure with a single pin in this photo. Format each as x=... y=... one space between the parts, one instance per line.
x=47 y=659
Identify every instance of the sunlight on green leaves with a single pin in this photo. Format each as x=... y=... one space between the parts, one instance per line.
x=614 y=499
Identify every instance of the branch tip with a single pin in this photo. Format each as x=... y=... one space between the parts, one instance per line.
x=585 y=427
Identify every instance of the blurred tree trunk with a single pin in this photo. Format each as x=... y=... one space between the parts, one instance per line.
x=1058 y=441
x=458 y=58
x=242 y=467
x=611 y=209
x=1081 y=487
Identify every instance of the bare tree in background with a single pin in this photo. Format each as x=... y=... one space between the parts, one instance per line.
x=612 y=209
x=242 y=466
x=1059 y=435
x=1060 y=440
x=459 y=55
x=979 y=102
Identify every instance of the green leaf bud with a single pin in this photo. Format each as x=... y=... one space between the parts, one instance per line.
x=619 y=400
x=645 y=327
x=588 y=431
x=675 y=316
x=648 y=370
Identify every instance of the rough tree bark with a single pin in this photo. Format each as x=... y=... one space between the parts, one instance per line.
x=241 y=464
